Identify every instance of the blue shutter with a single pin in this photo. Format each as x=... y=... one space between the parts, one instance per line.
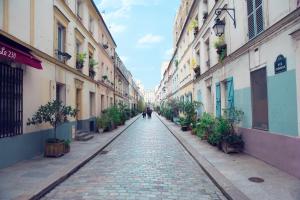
x=230 y=93
x=218 y=100
x=199 y=98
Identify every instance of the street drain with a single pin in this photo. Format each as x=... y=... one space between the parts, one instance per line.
x=256 y=179
x=104 y=152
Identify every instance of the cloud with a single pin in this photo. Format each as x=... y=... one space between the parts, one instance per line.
x=124 y=58
x=117 y=28
x=116 y=9
x=169 y=53
x=149 y=39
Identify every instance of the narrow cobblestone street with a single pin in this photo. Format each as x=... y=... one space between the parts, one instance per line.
x=145 y=162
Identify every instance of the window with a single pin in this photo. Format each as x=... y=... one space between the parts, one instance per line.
x=255 y=17
x=207 y=51
x=78 y=9
x=61 y=93
x=91 y=25
x=102 y=103
x=61 y=34
x=11 y=101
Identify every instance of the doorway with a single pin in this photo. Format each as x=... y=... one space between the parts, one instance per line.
x=79 y=103
x=259 y=90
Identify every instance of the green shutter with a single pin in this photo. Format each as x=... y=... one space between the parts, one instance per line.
x=218 y=100
x=230 y=93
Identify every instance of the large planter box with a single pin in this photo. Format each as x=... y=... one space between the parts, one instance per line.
x=56 y=149
x=231 y=148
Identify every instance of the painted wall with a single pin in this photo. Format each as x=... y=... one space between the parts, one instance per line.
x=15 y=149
x=19 y=26
x=1 y=14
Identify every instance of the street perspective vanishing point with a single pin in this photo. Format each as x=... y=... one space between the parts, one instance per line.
x=150 y=100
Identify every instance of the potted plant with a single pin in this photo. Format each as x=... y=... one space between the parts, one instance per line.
x=67 y=146
x=221 y=47
x=184 y=123
x=80 y=60
x=103 y=123
x=194 y=25
x=231 y=141
x=205 y=126
x=54 y=113
x=92 y=64
x=222 y=128
x=205 y=15
x=104 y=77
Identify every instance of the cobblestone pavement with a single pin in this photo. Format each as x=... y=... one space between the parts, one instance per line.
x=145 y=162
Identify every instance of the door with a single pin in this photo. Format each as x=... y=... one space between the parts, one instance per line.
x=78 y=104
x=259 y=99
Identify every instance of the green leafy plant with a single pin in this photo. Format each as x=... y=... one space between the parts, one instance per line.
x=221 y=47
x=92 y=63
x=104 y=77
x=234 y=116
x=206 y=126
x=67 y=142
x=103 y=122
x=193 y=25
x=80 y=58
x=222 y=128
x=55 y=113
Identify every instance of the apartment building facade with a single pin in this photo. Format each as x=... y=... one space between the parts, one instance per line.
x=122 y=82
x=252 y=66
x=59 y=49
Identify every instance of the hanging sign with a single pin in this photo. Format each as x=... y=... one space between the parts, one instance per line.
x=280 y=64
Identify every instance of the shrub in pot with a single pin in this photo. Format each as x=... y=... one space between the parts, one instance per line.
x=231 y=141
x=222 y=127
x=205 y=126
x=184 y=123
x=103 y=123
x=54 y=113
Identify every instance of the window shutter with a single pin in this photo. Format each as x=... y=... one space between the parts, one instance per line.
x=230 y=93
x=218 y=100
x=199 y=99
x=259 y=20
x=255 y=17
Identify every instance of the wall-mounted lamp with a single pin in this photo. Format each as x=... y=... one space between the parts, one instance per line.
x=219 y=26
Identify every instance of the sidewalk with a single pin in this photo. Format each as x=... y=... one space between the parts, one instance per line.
x=32 y=178
x=231 y=172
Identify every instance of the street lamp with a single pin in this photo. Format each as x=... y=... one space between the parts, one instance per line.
x=219 y=26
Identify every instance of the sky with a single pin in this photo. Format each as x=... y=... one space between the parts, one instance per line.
x=142 y=30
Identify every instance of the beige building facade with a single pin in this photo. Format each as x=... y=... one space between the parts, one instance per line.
x=51 y=36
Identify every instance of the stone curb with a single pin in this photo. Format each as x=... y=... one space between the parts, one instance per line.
x=43 y=189
x=230 y=191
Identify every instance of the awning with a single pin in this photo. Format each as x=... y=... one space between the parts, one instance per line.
x=9 y=52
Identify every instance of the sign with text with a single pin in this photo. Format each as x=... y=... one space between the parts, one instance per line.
x=280 y=64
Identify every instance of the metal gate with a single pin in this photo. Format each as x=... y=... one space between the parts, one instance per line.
x=11 y=101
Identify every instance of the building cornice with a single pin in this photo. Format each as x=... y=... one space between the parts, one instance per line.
x=51 y=59
x=289 y=20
